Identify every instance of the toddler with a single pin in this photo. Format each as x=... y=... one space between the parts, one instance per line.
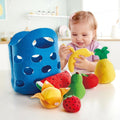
x=83 y=28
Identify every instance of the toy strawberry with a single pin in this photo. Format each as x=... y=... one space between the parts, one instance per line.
x=90 y=80
x=72 y=104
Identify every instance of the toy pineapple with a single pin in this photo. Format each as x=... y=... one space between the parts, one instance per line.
x=104 y=69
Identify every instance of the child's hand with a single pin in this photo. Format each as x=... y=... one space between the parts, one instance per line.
x=64 y=51
x=82 y=63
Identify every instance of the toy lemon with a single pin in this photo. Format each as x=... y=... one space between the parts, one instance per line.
x=50 y=97
x=104 y=69
x=75 y=54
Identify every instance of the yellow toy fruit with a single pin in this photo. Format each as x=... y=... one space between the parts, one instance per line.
x=71 y=49
x=1 y=10
x=104 y=69
x=51 y=92
x=83 y=51
x=50 y=97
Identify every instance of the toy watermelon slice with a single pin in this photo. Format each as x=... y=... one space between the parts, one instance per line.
x=60 y=80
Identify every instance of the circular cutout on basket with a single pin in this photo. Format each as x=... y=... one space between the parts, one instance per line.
x=19 y=83
x=18 y=58
x=58 y=65
x=53 y=56
x=43 y=42
x=46 y=69
x=36 y=58
x=28 y=71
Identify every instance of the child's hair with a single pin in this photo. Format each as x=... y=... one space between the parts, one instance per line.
x=84 y=16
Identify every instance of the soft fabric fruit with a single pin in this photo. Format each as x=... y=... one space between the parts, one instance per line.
x=72 y=104
x=90 y=80
x=60 y=80
x=76 y=87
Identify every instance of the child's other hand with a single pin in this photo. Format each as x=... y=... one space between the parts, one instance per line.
x=82 y=63
x=64 y=51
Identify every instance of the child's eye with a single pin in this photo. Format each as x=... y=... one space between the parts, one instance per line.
x=84 y=34
x=74 y=34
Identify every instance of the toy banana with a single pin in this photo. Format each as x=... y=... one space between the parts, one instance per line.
x=75 y=54
x=50 y=97
x=70 y=48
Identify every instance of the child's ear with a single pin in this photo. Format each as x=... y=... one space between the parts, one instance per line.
x=94 y=34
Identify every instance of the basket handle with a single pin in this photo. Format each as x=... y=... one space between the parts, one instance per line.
x=17 y=37
x=39 y=33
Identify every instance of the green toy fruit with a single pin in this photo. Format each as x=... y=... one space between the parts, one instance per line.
x=76 y=87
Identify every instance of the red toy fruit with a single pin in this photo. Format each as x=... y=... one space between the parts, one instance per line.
x=72 y=104
x=90 y=80
x=60 y=80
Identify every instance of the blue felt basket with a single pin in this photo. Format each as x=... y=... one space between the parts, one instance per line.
x=33 y=56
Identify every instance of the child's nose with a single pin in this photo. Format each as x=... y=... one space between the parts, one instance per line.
x=79 y=37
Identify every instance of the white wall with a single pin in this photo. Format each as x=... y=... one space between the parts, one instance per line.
x=4 y=57
x=18 y=9
x=73 y=6
x=114 y=48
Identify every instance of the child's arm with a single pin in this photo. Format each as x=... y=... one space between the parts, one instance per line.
x=63 y=63
x=92 y=66
x=63 y=53
x=83 y=63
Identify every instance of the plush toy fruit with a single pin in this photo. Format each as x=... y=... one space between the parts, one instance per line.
x=75 y=54
x=50 y=97
x=72 y=104
x=1 y=10
x=59 y=80
x=76 y=87
x=90 y=80
x=104 y=69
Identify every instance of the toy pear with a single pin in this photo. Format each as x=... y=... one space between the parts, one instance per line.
x=50 y=97
x=76 y=87
x=104 y=69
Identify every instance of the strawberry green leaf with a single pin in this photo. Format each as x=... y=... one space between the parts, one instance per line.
x=67 y=96
x=84 y=74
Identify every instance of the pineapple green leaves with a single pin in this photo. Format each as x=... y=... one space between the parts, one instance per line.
x=102 y=53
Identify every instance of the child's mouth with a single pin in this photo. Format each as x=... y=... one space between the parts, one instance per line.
x=80 y=43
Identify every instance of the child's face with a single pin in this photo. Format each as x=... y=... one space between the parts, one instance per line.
x=81 y=34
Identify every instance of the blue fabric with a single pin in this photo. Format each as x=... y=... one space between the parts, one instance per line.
x=32 y=58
